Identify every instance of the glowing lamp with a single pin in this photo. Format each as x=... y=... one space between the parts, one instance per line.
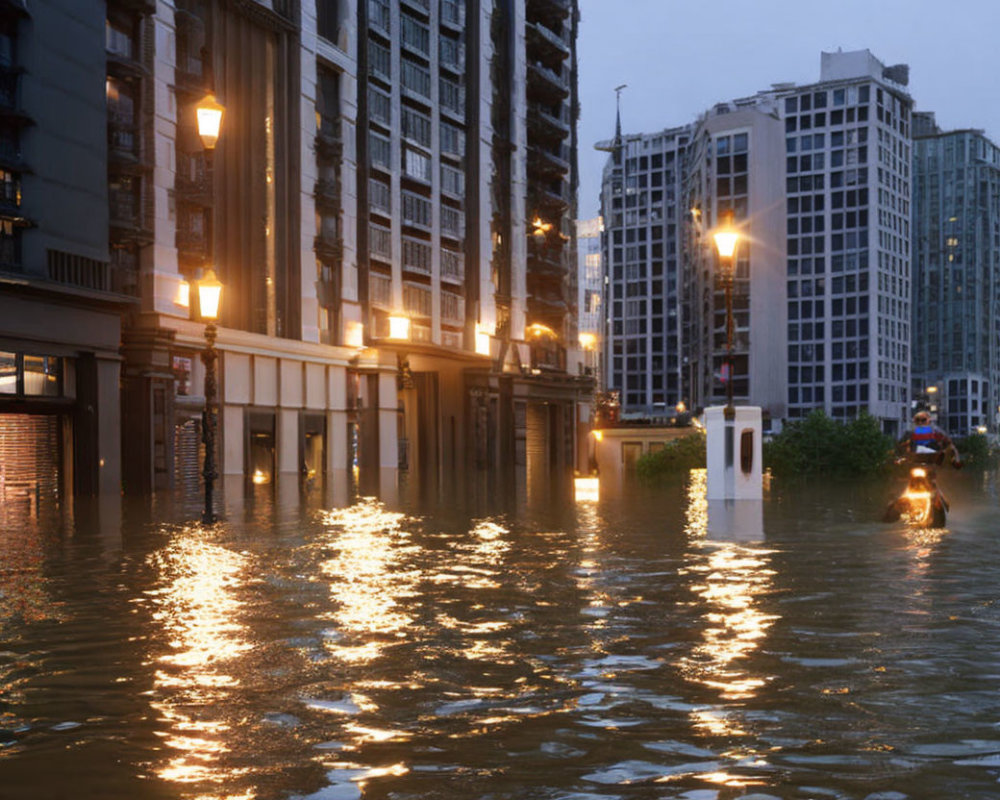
x=209 y=113
x=354 y=334
x=210 y=295
x=726 y=237
x=399 y=327
x=588 y=341
x=482 y=342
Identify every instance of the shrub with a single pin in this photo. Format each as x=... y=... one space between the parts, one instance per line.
x=680 y=455
x=819 y=445
x=975 y=450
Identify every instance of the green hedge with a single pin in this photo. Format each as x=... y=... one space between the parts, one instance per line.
x=680 y=455
x=975 y=450
x=819 y=445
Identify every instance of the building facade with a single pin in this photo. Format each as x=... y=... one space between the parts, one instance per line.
x=956 y=275
x=389 y=208
x=61 y=298
x=641 y=200
x=818 y=179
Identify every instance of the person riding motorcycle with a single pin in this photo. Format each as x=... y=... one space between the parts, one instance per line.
x=927 y=446
x=927 y=443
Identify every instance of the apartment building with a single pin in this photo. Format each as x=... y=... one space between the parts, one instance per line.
x=61 y=303
x=956 y=261
x=818 y=179
x=641 y=200
x=389 y=206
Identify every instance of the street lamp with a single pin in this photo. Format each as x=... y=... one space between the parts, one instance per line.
x=726 y=239
x=209 y=297
x=209 y=116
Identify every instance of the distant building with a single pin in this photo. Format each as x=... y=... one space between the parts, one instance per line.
x=590 y=291
x=818 y=178
x=641 y=205
x=956 y=275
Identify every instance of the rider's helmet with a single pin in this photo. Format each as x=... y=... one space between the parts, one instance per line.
x=922 y=418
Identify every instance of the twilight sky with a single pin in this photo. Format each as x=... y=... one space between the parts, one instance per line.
x=679 y=57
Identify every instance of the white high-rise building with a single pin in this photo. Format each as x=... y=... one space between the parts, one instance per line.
x=818 y=179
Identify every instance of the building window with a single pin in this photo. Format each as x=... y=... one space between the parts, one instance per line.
x=416 y=35
x=416 y=165
x=416 y=126
x=416 y=78
x=327 y=13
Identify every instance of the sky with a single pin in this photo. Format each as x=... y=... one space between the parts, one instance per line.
x=680 y=57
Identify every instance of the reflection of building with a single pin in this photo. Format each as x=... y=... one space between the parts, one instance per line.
x=956 y=258
x=818 y=176
x=377 y=158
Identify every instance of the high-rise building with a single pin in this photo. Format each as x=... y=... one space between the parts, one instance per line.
x=590 y=289
x=956 y=275
x=389 y=206
x=818 y=179
x=641 y=200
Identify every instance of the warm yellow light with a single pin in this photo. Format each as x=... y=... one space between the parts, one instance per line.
x=354 y=334
x=919 y=473
x=931 y=389
x=259 y=476
x=209 y=113
x=598 y=436
x=183 y=298
x=210 y=295
x=680 y=407
x=482 y=342
x=588 y=341
x=981 y=429
x=726 y=237
x=587 y=490
x=537 y=329
x=399 y=327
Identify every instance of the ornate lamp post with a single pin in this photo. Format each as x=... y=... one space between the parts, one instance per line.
x=209 y=114
x=726 y=240
x=209 y=296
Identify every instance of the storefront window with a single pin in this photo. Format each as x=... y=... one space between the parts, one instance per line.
x=8 y=373
x=41 y=376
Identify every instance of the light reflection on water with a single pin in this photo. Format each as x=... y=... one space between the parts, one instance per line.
x=607 y=650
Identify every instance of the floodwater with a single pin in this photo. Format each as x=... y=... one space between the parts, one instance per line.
x=596 y=651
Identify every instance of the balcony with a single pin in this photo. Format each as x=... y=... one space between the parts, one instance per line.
x=541 y=160
x=327 y=193
x=552 y=13
x=546 y=126
x=328 y=144
x=544 y=38
x=547 y=82
x=329 y=247
x=192 y=245
x=550 y=200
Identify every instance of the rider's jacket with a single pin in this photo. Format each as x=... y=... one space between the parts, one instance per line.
x=926 y=436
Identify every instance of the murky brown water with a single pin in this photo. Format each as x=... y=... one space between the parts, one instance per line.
x=599 y=651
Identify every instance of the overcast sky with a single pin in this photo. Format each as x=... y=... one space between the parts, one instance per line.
x=679 y=57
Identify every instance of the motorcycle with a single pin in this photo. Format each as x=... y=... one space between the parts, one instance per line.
x=921 y=504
